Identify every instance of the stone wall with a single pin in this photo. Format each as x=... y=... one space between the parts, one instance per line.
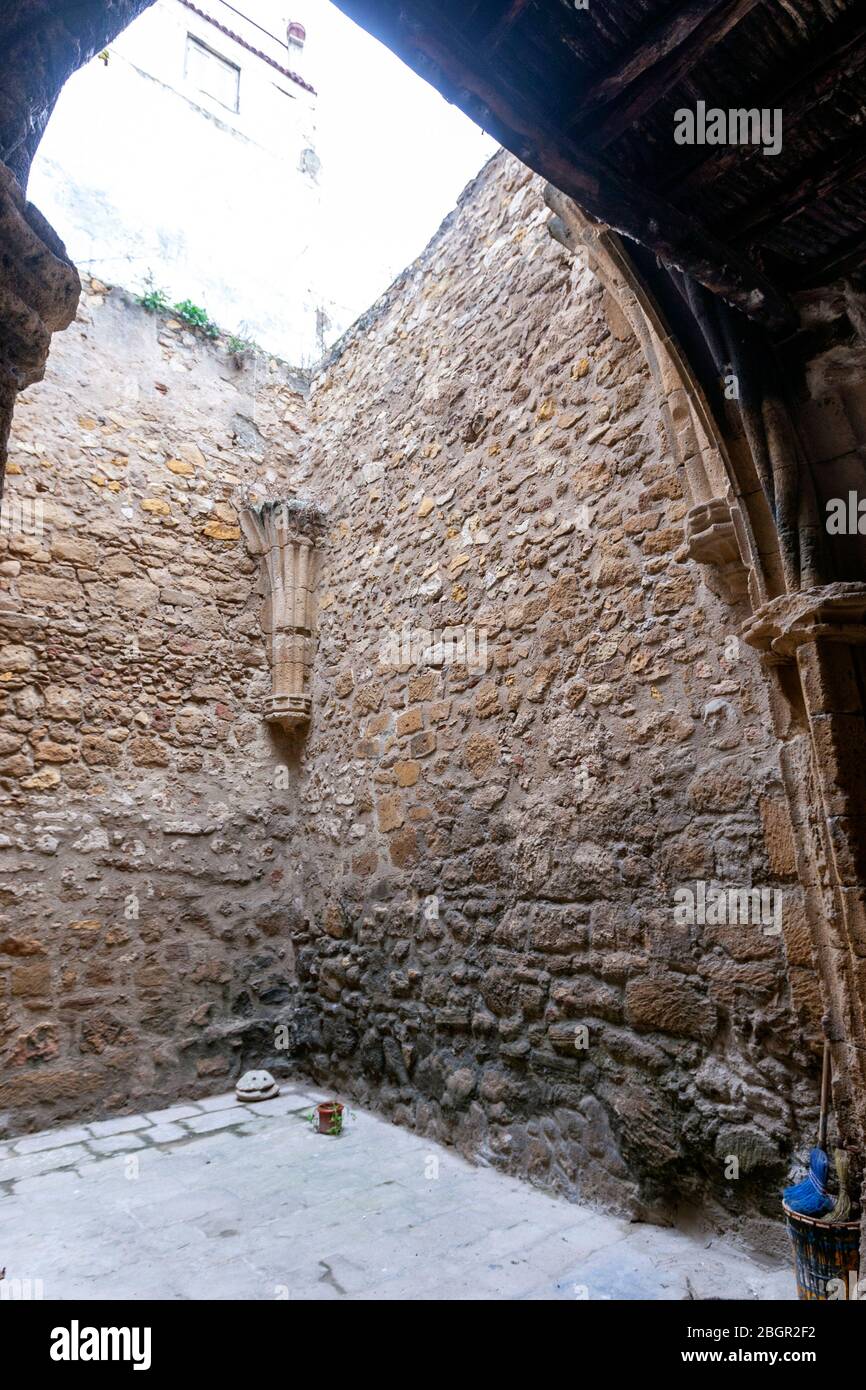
x=147 y=861
x=503 y=845
x=457 y=890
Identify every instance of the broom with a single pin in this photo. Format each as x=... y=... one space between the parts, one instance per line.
x=810 y=1197
x=842 y=1209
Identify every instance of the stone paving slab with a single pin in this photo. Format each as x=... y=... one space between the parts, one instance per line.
x=173 y=1112
x=43 y=1161
x=116 y=1143
x=105 y=1129
x=216 y=1200
x=219 y=1119
x=48 y=1139
x=166 y=1134
x=229 y=1101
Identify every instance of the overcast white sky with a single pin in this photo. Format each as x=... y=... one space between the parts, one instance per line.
x=395 y=155
x=148 y=190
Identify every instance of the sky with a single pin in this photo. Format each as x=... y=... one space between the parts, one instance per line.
x=395 y=154
x=139 y=184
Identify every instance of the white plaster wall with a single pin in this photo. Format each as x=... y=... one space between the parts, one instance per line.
x=141 y=172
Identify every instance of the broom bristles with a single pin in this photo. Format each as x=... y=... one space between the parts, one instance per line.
x=842 y=1209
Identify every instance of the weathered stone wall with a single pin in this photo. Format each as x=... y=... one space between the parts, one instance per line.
x=457 y=891
x=498 y=851
x=147 y=861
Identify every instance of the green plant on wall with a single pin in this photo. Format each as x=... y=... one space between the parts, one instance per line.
x=154 y=299
x=193 y=315
x=196 y=317
x=241 y=345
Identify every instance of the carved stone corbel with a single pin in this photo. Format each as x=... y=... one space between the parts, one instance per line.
x=830 y=612
x=39 y=292
x=711 y=539
x=283 y=535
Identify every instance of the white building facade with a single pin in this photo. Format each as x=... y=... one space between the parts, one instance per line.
x=185 y=155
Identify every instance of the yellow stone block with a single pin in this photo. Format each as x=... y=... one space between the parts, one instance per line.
x=42 y=780
x=155 y=505
x=219 y=531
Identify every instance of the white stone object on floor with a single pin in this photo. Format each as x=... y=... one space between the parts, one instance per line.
x=256 y=1085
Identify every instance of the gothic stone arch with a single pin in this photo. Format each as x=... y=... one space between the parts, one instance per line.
x=812 y=642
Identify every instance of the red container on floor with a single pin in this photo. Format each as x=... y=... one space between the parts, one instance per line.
x=330 y=1116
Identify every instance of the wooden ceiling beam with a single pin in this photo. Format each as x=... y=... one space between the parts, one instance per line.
x=661 y=63
x=504 y=23
x=816 y=180
x=824 y=70
x=846 y=257
x=452 y=63
x=646 y=49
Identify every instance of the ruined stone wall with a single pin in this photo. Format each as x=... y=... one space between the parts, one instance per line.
x=457 y=890
x=498 y=849
x=146 y=869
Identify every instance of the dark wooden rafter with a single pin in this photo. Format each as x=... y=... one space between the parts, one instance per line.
x=818 y=179
x=660 y=59
x=503 y=25
x=542 y=81
x=845 y=258
x=442 y=54
x=816 y=78
x=656 y=43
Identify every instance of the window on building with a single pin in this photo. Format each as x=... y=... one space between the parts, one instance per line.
x=212 y=74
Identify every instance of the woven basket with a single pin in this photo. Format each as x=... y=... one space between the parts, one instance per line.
x=823 y=1251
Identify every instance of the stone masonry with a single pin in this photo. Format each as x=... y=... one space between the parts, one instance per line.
x=493 y=457
x=148 y=885
x=532 y=721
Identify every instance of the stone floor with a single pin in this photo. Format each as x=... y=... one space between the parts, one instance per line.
x=217 y=1200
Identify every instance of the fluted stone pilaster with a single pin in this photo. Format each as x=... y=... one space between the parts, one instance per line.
x=283 y=535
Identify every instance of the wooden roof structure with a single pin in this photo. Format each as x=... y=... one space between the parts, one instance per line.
x=589 y=97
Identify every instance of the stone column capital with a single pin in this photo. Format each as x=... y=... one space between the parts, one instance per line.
x=270 y=525
x=827 y=613
x=283 y=534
